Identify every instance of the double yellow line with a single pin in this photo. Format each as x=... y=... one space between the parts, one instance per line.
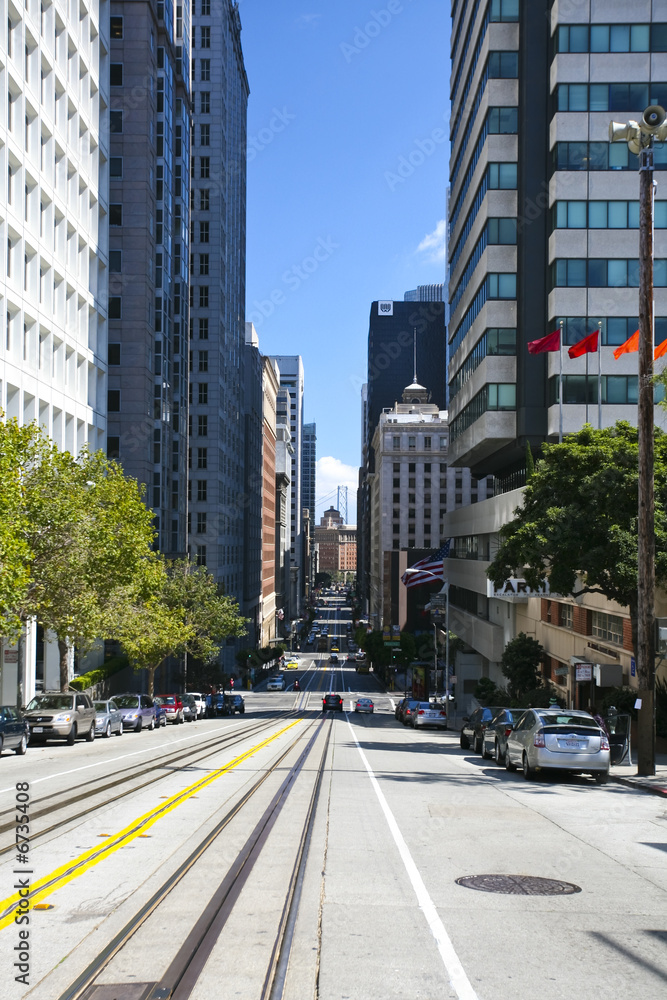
x=72 y=869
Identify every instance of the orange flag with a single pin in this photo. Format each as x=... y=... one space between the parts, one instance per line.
x=660 y=350
x=631 y=344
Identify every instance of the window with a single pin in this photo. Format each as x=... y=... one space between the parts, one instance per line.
x=412 y=443
x=204 y=231
x=203 y=263
x=203 y=296
x=202 y=425
x=597 y=156
x=204 y=199
x=116 y=74
x=115 y=307
x=204 y=167
x=202 y=490
x=115 y=215
x=604 y=273
x=115 y=122
x=113 y=354
x=115 y=167
x=501 y=286
x=115 y=261
x=202 y=458
x=205 y=70
x=503 y=121
x=396 y=443
x=504 y=10
x=113 y=447
x=566 y=616
x=201 y=523
x=502 y=176
x=203 y=361
x=202 y=394
x=205 y=37
x=205 y=102
x=116 y=27
x=113 y=400
x=201 y=555
x=205 y=8
x=503 y=65
x=204 y=135
x=608 y=627
x=202 y=327
x=427 y=444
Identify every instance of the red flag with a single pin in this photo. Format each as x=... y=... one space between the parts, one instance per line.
x=631 y=344
x=549 y=343
x=588 y=345
x=660 y=350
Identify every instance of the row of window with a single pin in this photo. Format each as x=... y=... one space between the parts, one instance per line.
x=499 y=121
x=617 y=390
x=577 y=272
x=499 y=66
x=494 y=342
x=610 y=38
x=604 y=215
x=412 y=443
x=609 y=96
x=493 y=396
x=497 y=232
x=602 y=156
x=615 y=329
x=497 y=177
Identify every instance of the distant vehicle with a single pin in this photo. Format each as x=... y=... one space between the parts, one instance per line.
x=108 y=719
x=332 y=703
x=292 y=664
x=560 y=739
x=61 y=716
x=189 y=708
x=275 y=684
x=201 y=703
x=364 y=705
x=474 y=727
x=14 y=730
x=494 y=742
x=333 y=658
x=138 y=711
x=424 y=714
x=361 y=656
x=407 y=708
x=335 y=649
x=363 y=667
x=234 y=703
x=173 y=706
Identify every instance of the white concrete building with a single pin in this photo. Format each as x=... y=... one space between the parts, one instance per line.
x=291 y=378
x=54 y=127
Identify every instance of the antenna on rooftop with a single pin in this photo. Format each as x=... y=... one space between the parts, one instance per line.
x=414 y=346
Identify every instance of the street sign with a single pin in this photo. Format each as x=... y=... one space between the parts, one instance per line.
x=633 y=666
x=561 y=671
x=11 y=656
x=583 y=671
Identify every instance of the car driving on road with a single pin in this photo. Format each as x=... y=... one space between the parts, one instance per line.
x=332 y=703
x=364 y=705
x=276 y=683
x=558 y=739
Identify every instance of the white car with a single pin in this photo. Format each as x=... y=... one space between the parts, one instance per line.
x=200 y=702
x=275 y=683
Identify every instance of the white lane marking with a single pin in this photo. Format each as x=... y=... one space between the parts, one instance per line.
x=393 y=706
x=457 y=976
x=106 y=760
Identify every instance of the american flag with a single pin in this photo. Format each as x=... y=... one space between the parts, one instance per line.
x=428 y=569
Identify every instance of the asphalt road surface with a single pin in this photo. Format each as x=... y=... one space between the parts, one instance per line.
x=287 y=853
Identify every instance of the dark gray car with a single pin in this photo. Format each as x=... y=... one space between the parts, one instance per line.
x=14 y=730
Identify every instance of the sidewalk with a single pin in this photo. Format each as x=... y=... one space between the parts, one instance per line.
x=626 y=774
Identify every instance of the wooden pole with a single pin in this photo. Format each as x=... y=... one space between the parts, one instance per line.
x=646 y=512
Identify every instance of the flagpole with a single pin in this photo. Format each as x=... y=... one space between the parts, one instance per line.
x=560 y=386
x=600 y=375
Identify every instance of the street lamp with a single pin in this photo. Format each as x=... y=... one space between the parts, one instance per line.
x=640 y=137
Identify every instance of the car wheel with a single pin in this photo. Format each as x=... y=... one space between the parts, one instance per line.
x=601 y=777
x=21 y=748
x=107 y=731
x=138 y=726
x=528 y=772
x=90 y=735
x=163 y=721
x=478 y=745
x=485 y=753
x=1 y=744
x=120 y=730
x=509 y=766
x=152 y=725
x=497 y=756
x=465 y=745
x=72 y=735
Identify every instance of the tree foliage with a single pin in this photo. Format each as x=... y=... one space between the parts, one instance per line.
x=578 y=522
x=520 y=664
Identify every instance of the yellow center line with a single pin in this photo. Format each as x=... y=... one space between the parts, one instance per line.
x=77 y=866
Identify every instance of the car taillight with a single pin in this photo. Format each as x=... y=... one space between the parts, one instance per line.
x=539 y=740
x=420 y=712
x=508 y=731
x=443 y=713
x=604 y=742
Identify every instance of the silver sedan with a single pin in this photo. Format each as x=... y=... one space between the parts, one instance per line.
x=108 y=719
x=364 y=705
x=558 y=739
x=427 y=714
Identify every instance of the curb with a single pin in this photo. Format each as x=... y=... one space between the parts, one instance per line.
x=643 y=786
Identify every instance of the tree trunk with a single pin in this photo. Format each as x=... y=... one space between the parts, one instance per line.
x=151 y=679
x=64 y=671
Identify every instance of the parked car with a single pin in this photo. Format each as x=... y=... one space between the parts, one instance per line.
x=406 y=710
x=189 y=708
x=399 y=708
x=173 y=706
x=160 y=715
x=332 y=703
x=108 y=719
x=276 y=683
x=472 y=733
x=558 y=739
x=138 y=711
x=364 y=705
x=425 y=713
x=14 y=730
x=494 y=742
x=234 y=703
x=61 y=716
x=201 y=703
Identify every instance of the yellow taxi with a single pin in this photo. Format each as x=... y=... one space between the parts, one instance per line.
x=335 y=649
x=291 y=664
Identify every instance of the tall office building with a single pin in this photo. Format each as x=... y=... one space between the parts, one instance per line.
x=217 y=297
x=54 y=160
x=253 y=486
x=425 y=293
x=308 y=494
x=284 y=509
x=149 y=204
x=291 y=379
x=543 y=217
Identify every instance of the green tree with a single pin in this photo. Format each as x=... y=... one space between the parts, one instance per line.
x=530 y=461
x=19 y=448
x=179 y=611
x=520 y=664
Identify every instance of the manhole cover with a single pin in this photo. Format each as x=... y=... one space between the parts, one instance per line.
x=519 y=885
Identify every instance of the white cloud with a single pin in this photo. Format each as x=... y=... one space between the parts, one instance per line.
x=435 y=244
x=331 y=473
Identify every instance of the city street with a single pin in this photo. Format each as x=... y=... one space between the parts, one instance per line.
x=349 y=890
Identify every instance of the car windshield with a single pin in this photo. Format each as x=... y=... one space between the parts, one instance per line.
x=101 y=706
x=167 y=701
x=51 y=702
x=566 y=719
x=127 y=701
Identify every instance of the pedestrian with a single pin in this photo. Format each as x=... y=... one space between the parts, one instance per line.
x=598 y=718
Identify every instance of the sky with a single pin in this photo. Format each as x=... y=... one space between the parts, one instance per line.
x=347 y=177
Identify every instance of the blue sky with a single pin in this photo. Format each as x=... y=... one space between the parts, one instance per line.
x=347 y=175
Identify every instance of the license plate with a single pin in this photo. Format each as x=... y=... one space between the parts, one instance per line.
x=573 y=744
x=38 y=729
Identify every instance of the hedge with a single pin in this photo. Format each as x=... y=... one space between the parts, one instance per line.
x=111 y=666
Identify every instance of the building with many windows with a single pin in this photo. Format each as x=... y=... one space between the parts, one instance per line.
x=54 y=239
x=292 y=379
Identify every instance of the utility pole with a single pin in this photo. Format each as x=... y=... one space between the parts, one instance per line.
x=640 y=137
